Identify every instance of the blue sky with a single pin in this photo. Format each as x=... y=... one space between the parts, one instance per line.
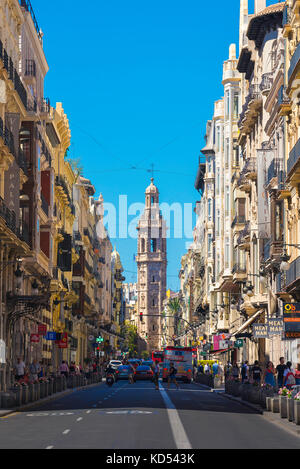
x=138 y=81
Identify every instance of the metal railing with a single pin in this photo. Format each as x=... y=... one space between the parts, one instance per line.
x=28 y=7
x=244 y=233
x=266 y=82
x=293 y=273
x=294 y=61
x=293 y=157
x=45 y=206
x=30 y=68
x=267 y=250
x=237 y=220
x=239 y=269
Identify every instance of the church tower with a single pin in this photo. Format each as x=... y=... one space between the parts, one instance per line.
x=152 y=270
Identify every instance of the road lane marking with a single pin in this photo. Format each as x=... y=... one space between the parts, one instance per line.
x=50 y=447
x=88 y=411
x=179 y=434
x=131 y=412
x=66 y=432
x=78 y=420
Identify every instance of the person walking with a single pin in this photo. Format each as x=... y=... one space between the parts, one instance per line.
x=200 y=368
x=130 y=374
x=64 y=369
x=280 y=372
x=34 y=370
x=269 y=375
x=245 y=372
x=235 y=372
x=172 y=376
x=207 y=369
x=297 y=375
x=289 y=379
x=156 y=371
x=20 y=369
x=256 y=372
x=215 y=368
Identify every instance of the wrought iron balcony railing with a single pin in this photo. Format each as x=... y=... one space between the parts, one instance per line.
x=266 y=82
x=293 y=273
x=293 y=157
x=30 y=68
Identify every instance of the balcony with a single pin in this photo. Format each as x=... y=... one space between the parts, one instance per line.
x=243 y=240
x=275 y=171
x=9 y=217
x=266 y=83
x=292 y=72
x=238 y=220
x=293 y=274
x=13 y=75
x=284 y=102
x=293 y=167
x=28 y=7
x=250 y=108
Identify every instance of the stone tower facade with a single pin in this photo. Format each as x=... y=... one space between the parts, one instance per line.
x=152 y=270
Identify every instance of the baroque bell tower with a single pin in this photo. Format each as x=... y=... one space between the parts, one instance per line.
x=152 y=269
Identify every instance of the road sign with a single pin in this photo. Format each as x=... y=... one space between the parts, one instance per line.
x=42 y=329
x=239 y=343
x=51 y=335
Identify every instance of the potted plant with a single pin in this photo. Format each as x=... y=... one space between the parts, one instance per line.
x=297 y=409
x=283 y=397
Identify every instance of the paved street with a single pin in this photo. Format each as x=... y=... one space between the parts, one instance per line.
x=137 y=416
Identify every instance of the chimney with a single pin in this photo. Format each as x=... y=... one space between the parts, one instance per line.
x=259 y=6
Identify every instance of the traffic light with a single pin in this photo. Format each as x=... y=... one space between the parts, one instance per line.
x=99 y=339
x=141 y=317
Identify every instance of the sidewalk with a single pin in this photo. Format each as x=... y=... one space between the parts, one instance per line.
x=58 y=395
x=284 y=424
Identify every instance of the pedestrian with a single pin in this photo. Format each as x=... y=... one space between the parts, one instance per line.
x=256 y=372
x=131 y=373
x=20 y=368
x=245 y=372
x=156 y=375
x=297 y=375
x=172 y=376
x=228 y=370
x=72 y=368
x=289 y=379
x=235 y=371
x=207 y=369
x=280 y=372
x=215 y=368
x=200 y=368
x=34 y=370
x=64 y=369
x=269 y=375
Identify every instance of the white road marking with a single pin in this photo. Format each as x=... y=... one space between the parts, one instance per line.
x=179 y=434
x=78 y=420
x=131 y=412
x=88 y=411
x=50 y=447
x=66 y=432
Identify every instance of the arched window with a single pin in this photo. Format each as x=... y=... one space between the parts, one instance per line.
x=143 y=245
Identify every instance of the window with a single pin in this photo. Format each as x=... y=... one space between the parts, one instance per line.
x=227 y=153
x=143 y=245
x=218 y=223
x=227 y=201
x=153 y=302
x=218 y=138
x=153 y=245
x=236 y=105
x=218 y=181
x=227 y=103
x=209 y=209
x=153 y=278
x=226 y=252
x=209 y=244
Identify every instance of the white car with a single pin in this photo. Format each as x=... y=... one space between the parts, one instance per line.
x=115 y=364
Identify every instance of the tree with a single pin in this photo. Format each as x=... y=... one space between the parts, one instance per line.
x=174 y=308
x=129 y=332
x=145 y=355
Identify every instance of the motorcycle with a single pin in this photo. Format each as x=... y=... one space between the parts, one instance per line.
x=110 y=379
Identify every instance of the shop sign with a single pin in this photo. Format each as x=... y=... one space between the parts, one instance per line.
x=275 y=326
x=239 y=343
x=34 y=338
x=63 y=342
x=2 y=351
x=51 y=335
x=42 y=329
x=260 y=331
x=291 y=319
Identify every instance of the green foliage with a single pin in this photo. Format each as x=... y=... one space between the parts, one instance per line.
x=145 y=355
x=174 y=306
x=129 y=332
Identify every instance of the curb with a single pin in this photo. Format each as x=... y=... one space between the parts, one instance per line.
x=46 y=399
x=245 y=403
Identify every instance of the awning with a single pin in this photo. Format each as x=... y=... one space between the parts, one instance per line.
x=220 y=351
x=248 y=322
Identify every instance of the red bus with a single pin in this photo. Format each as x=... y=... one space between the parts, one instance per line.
x=182 y=357
x=158 y=356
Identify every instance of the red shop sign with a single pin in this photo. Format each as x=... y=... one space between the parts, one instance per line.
x=63 y=342
x=34 y=338
x=42 y=329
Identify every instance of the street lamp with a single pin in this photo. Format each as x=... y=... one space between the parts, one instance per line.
x=284 y=266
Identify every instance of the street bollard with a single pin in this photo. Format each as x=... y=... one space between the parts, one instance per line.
x=46 y=388
x=290 y=409
x=297 y=412
x=50 y=386
x=268 y=403
x=31 y=393
x=25 y=395
x=275 y=405
x=8 y=400
x=64 y=383
x=283 y=406
x=18 y=396
x=37 y=391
